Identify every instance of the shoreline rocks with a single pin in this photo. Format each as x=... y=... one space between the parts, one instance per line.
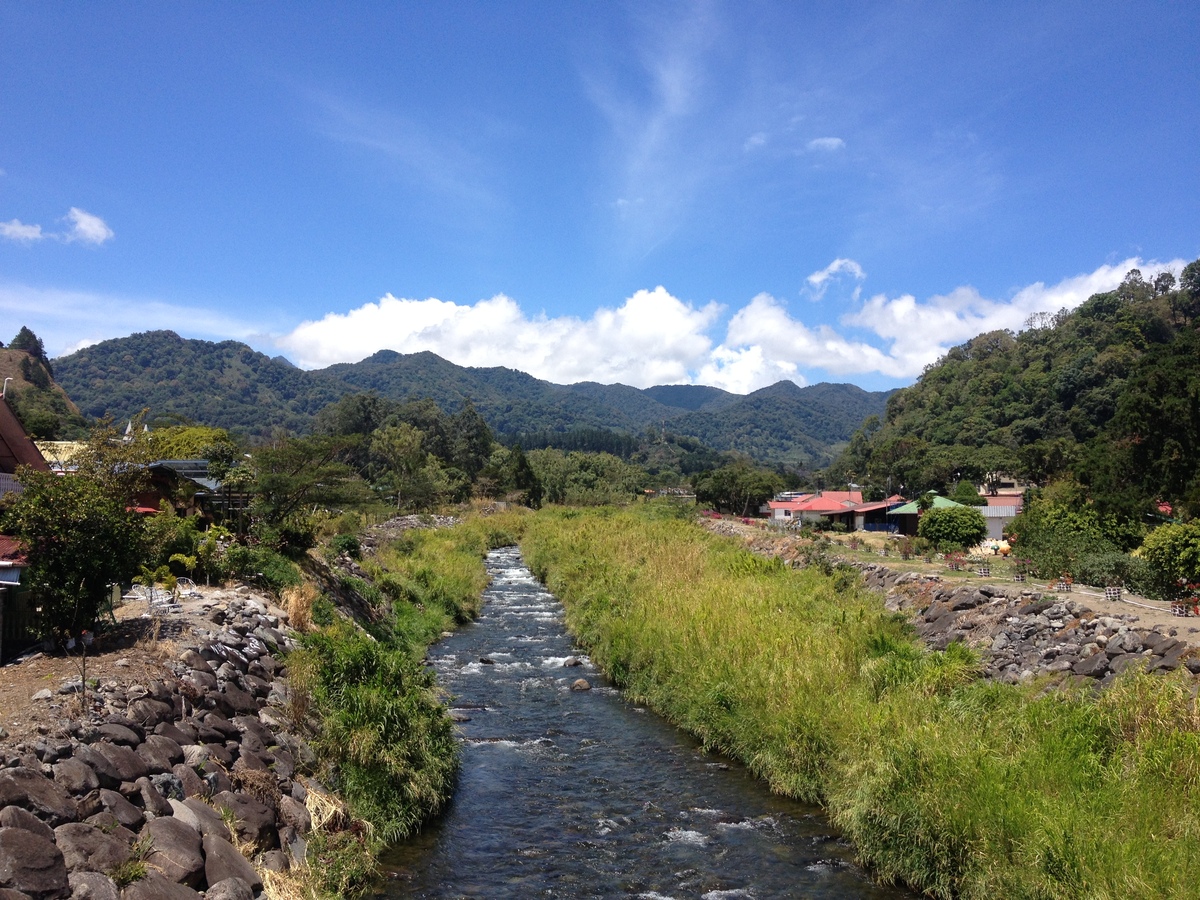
x=149 y=771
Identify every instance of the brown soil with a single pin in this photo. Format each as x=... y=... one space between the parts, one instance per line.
x=133 y=652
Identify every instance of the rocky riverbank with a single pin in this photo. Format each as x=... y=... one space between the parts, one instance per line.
x=185 y=783
x=1020 y=634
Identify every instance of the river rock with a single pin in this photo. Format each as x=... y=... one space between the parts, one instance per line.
x=255 y=821
x=31 y=864
x=33 y=791
x=16 y=817
x=86 y=848
x=176 y=850
x=75 y=777
x=156 y=887
x=92 y=886
x=230 y=889
x=580 y=684
x=222 y=861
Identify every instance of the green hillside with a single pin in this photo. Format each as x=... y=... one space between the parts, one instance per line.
x=1107 y=396
x=231 y=386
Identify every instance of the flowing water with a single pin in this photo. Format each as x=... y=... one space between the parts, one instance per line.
x=580 y=794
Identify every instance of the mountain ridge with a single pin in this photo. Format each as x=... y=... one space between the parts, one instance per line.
x=230 y=385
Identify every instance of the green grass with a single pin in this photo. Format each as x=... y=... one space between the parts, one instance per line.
x=958 y=787
x=385 y=743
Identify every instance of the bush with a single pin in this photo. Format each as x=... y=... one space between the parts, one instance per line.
x=953 y=527
x=1111 y=568
x=1172 y=555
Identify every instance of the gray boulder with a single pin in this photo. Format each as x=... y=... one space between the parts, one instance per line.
x=92 y=886
x=230 y=889
x=222 y=861
x=88 y=849
x=255 y=821
x=35 y=792
x=15 y=817
x=156 y=887
x=176 y=851
x=31 y=864
x=75 y=777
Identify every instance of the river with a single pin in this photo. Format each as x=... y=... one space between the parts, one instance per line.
x=581 y=794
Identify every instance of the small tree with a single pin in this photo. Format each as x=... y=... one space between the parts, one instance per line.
x=1172 y=553
x=953 y=527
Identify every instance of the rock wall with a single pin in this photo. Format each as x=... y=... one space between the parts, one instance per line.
x=1021 y=634
x=193 y=773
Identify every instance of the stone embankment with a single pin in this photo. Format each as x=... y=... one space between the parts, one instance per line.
x=185 y=784
x=1021 y=634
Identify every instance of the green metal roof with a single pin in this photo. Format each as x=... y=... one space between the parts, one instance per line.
x=911 y=509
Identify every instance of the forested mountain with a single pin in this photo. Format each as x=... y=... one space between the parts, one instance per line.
x=231 y=386
x=1107 y=396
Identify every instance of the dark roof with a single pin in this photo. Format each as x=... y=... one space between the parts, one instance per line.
x=16 y=449
x=11 y=550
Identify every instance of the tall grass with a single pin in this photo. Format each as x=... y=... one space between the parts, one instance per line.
x=384 y=740
x=958 y=787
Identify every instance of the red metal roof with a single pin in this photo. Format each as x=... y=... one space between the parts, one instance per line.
x=11 y=550
x=16 y=449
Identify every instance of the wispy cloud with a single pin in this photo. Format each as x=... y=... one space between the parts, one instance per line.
x=67 y=319
x=428 y=159
x=84 y=227
x=826 y=144
x=818 y=282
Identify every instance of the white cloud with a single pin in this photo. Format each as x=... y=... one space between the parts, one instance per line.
x=87 y=228
x=16 y=230
x=651 y=338
x=756 y=140
x=67 y=320
x=826 y=144
x=818 y=282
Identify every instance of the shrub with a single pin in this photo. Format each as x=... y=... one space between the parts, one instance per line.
x=953 y=526
x=1172 y=555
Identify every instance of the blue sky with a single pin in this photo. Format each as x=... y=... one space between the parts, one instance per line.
x=720 y=193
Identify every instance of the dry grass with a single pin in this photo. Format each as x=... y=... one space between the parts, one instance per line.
x=298 y=602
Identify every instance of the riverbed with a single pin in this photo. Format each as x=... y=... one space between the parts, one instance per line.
x=578 y=793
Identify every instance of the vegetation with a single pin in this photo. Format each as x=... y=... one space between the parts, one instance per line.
x=228 y=385
x=80 y=531
x=40 y=405
x=383 y=739
x=1106 y=396
x=958 y=787
x=953 y=527
x=738 y=488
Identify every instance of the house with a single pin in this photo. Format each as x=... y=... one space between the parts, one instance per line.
x=811 y=508
x=16 y=449
x=1001 y=509
x=868 y=516
x=908 y=516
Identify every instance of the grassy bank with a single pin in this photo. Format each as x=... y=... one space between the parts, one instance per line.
x=957 y=787
x=383 y=739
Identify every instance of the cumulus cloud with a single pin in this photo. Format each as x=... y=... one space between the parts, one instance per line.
x=16 y=230
x=826 y=144
x=87 y=228
x=656 y=338
x=651 y=338
x=756 y=140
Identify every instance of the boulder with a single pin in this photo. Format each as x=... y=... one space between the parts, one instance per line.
x=124 y=811
x=1095 y=666
x=15 y=817
x=156 y=887
x=75 y=777
x=35 y=792
x=200 y=816
x=118 y=734
x=160 y=753
x=31 y=864
x=122 y=763
x=581 y=684
x=150 y=712
x=176 y=851
x=86 y=848
x=254 y=820
x=152 y=801
x=222 y=861
x=230 y=889
x=92 y=886
x=193 y=785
